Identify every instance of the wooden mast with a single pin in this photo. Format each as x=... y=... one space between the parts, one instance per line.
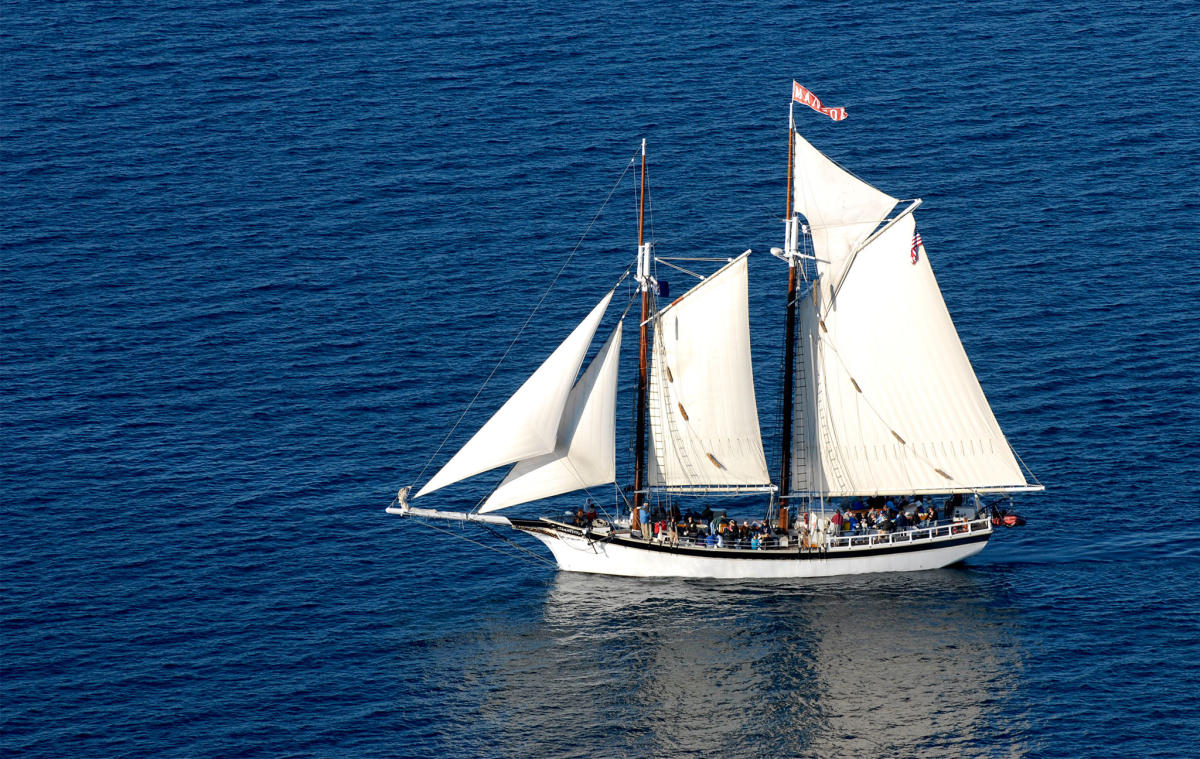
x=789 y=346
x=639 y=467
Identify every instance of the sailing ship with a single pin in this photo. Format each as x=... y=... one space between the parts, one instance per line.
x=880 y=404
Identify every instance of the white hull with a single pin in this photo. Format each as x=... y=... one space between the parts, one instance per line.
x=576 y=553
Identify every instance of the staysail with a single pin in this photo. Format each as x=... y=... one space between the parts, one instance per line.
x=585 y=453
x=703 y=415
x=891 y=403
x=527 y=425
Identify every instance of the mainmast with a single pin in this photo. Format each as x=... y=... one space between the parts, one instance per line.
x=644 y=281
x=791 y=254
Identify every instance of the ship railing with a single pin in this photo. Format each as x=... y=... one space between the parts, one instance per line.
x=914 y=535
x=766 y=543
x=868 y=539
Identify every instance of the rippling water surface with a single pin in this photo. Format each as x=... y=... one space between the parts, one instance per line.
x=257 y=257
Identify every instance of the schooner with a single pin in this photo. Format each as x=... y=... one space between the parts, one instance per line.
x=879 y=398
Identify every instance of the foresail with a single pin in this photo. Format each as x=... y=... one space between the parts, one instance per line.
x=703 y=415
x=841 y=209
x=527 y=424
x=898 y=408
x=585 y=455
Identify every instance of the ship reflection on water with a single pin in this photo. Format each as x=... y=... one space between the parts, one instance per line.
x=916 y=664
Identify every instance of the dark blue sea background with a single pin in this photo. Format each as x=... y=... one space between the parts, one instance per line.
x=259 y=256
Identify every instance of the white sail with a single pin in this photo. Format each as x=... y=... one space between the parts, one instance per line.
x=841 y=209
x=703 y=416
x=898 y=408
x=585 y=455
x=527 y=424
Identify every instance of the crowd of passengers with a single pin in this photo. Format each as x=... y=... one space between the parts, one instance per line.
x=880 y=515
x=873 y=516
x=717 y=532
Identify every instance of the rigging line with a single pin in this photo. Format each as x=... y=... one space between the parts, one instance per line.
x=629 y=303
x=476 y=542
x=650 y=204
x=483 y=500
x=667 y=262
x=891 y=428
x=624 y=499
x=528 y=319
x=1024 y=466
x=520 y=548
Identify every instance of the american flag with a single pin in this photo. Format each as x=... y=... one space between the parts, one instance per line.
x=916 y=246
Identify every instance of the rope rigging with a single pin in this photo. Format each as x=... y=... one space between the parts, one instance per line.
x=536 y=307
x=527 y=554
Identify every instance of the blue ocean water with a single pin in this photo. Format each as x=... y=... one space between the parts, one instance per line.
x=257 y=257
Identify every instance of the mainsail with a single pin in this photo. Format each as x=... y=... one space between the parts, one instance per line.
x=703 y=415
x=585 y=454
x=890 y=403
x=527 y=425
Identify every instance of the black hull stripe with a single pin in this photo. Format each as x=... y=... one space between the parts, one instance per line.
x=777 y=554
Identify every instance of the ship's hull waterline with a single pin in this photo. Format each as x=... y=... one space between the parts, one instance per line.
x=578 y=550
x=575 y=551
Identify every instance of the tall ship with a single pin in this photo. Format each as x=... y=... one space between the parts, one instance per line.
x=891 y=458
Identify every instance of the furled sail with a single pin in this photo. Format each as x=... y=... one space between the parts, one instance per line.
x=703 y=416
x=841 y=209
x=585 y=454
x=895 y=406
x=527 y=424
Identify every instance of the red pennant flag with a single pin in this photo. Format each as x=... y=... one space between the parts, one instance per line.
x=801 y=95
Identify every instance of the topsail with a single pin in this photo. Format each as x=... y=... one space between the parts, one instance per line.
x=841 y=209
